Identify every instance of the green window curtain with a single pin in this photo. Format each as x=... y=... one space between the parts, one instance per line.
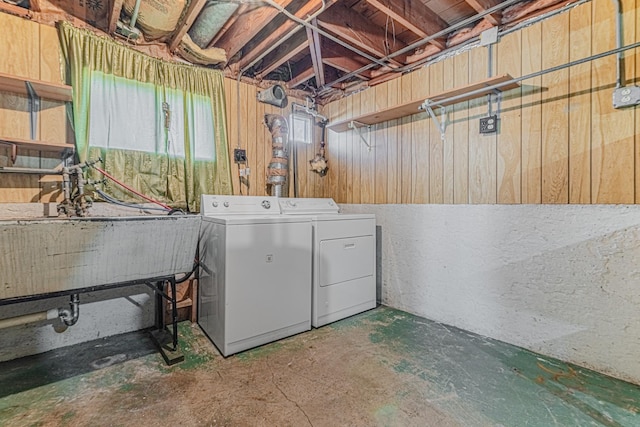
x=159 y=127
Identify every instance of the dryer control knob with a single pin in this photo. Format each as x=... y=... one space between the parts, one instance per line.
x=215 y=204
x=226 y=204
x=266 y=204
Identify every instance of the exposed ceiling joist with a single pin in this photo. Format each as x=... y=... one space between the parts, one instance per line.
x=194 y=9
x=297 y=44
x=277 y=29
x=247 y=26
x=242 y=10
x=343 y=59
x=302 y=72
x=358 y=31
x=114 y=14
x=482 y=5
x=316 y=54
x=415 y=16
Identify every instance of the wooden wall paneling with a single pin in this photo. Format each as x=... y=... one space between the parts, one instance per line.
x=460 y=121
x=436 y=153
x=333 y=155
x=342 y=155
x=448 y=143
x=231 y=98
x=482 y=148
x=262 y=138
x=356 y=148
x=20 y=56
x=580 y=106
x=509 y=138
x=555 y=117
x=531 y=115
x=53 y=116
x=393 y=157
x=245 y=142
x=636 y=81
x=367 y=156
x=405 y=145
x=420 y=136
x=350 y=172
x=379 y=132
x=613 y=174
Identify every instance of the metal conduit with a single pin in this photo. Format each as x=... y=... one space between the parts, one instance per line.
x=620 y=55
x=422 y=42
x=529 y=76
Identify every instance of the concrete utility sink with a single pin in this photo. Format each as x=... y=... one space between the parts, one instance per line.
x=39 y=256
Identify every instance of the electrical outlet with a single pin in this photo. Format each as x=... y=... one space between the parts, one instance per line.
x=240 y=156
x=489 y=124
x=627 y=96
x=245 y=172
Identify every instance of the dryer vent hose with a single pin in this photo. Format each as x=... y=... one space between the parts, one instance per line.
x=278 y=168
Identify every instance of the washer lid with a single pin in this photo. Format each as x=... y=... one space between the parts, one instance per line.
x=309 y=206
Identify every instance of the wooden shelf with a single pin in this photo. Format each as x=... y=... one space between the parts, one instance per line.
x=36 y=145
x=55 y=91
x=413 y=107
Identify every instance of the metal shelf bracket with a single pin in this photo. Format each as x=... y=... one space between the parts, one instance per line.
x=357 y=126
x=440 y=124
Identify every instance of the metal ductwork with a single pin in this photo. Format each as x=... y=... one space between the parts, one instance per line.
x=211 y=19
x=278 y=168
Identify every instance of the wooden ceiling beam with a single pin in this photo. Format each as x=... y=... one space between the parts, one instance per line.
x=114 y=15
x=303 y=71
x=316 y=53
x=242 y=9
x=247 y=26
x=352 y=27
x=297 y=44
x=343 y=59
x=278 y=28
x=414 y=16
x=480 y=6
x=194 y=9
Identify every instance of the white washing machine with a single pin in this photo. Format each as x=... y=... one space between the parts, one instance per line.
x=344 y=259
x=255 y=272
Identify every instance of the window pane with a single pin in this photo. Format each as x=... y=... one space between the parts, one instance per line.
x=123 y=114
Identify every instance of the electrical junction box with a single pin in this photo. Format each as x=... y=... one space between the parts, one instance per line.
x=489 y=124
x=240 y=156
x=626 y=96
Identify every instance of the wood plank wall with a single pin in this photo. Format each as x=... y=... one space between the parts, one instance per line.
x=30 y=50
x=560 y=140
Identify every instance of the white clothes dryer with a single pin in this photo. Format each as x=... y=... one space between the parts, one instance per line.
x=344 y=258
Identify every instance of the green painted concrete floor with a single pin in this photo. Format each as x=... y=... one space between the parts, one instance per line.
x=381 y=368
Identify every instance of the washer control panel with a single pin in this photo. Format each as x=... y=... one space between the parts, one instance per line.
x=238 y=205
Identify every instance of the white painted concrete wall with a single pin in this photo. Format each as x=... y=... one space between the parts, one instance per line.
x=561 y=280
x=102 y=313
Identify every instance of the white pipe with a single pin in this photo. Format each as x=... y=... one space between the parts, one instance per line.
x=29 y=318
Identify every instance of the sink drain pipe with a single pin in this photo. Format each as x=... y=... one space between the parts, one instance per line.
x=67 y=315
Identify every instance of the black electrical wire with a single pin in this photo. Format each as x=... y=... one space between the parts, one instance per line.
x=115 y=201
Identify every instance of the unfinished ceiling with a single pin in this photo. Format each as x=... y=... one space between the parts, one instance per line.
x=320 y=46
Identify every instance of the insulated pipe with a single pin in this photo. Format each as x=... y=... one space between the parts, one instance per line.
x=620 y=55
x=29 y=318
x=278 y=168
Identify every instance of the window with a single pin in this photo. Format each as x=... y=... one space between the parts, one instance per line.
x=301 y=129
